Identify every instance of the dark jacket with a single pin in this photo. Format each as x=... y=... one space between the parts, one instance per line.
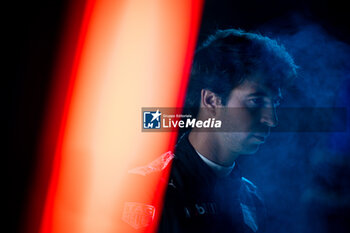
x=198 y=201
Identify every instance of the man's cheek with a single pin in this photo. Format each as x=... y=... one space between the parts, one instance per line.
x=238 y=120
x=255 y=118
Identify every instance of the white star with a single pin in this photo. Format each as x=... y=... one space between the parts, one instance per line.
x=155 y=115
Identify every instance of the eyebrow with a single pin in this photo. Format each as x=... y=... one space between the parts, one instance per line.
x=264 y=94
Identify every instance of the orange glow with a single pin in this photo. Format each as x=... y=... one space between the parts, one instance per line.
x=130 y=54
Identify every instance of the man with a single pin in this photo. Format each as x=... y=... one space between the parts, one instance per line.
x=236 y=77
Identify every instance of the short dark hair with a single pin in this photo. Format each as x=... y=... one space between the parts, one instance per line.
x=228 y=57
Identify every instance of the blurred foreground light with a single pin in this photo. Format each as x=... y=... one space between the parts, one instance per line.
x=127 y=55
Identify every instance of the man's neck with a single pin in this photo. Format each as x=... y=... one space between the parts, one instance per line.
x=220 y=171
x=206 y=144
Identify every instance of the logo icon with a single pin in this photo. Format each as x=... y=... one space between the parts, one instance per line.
x=138 y=215
x=151 y=120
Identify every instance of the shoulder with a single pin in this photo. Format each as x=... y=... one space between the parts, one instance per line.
x=251 y=189
x=249 y=185
x=158 y=165
x=253 y=207
x=139 y=207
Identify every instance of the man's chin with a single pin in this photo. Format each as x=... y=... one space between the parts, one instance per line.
x=252 y=149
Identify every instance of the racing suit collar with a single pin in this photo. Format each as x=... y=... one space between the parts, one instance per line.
x=184 y=151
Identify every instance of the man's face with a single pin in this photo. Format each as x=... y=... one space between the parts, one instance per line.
x=250 y=111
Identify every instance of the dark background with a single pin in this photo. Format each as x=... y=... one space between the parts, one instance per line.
x=34 y=30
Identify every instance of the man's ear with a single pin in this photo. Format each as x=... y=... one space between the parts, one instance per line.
x=210 y=101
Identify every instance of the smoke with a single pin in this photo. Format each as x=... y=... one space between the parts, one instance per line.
x=304 y=177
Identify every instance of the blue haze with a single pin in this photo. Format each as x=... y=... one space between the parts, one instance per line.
x=305 y=177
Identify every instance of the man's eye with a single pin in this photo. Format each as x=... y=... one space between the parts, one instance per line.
x=256 y=101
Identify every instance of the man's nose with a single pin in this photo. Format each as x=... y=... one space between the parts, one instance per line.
x=269 y=117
